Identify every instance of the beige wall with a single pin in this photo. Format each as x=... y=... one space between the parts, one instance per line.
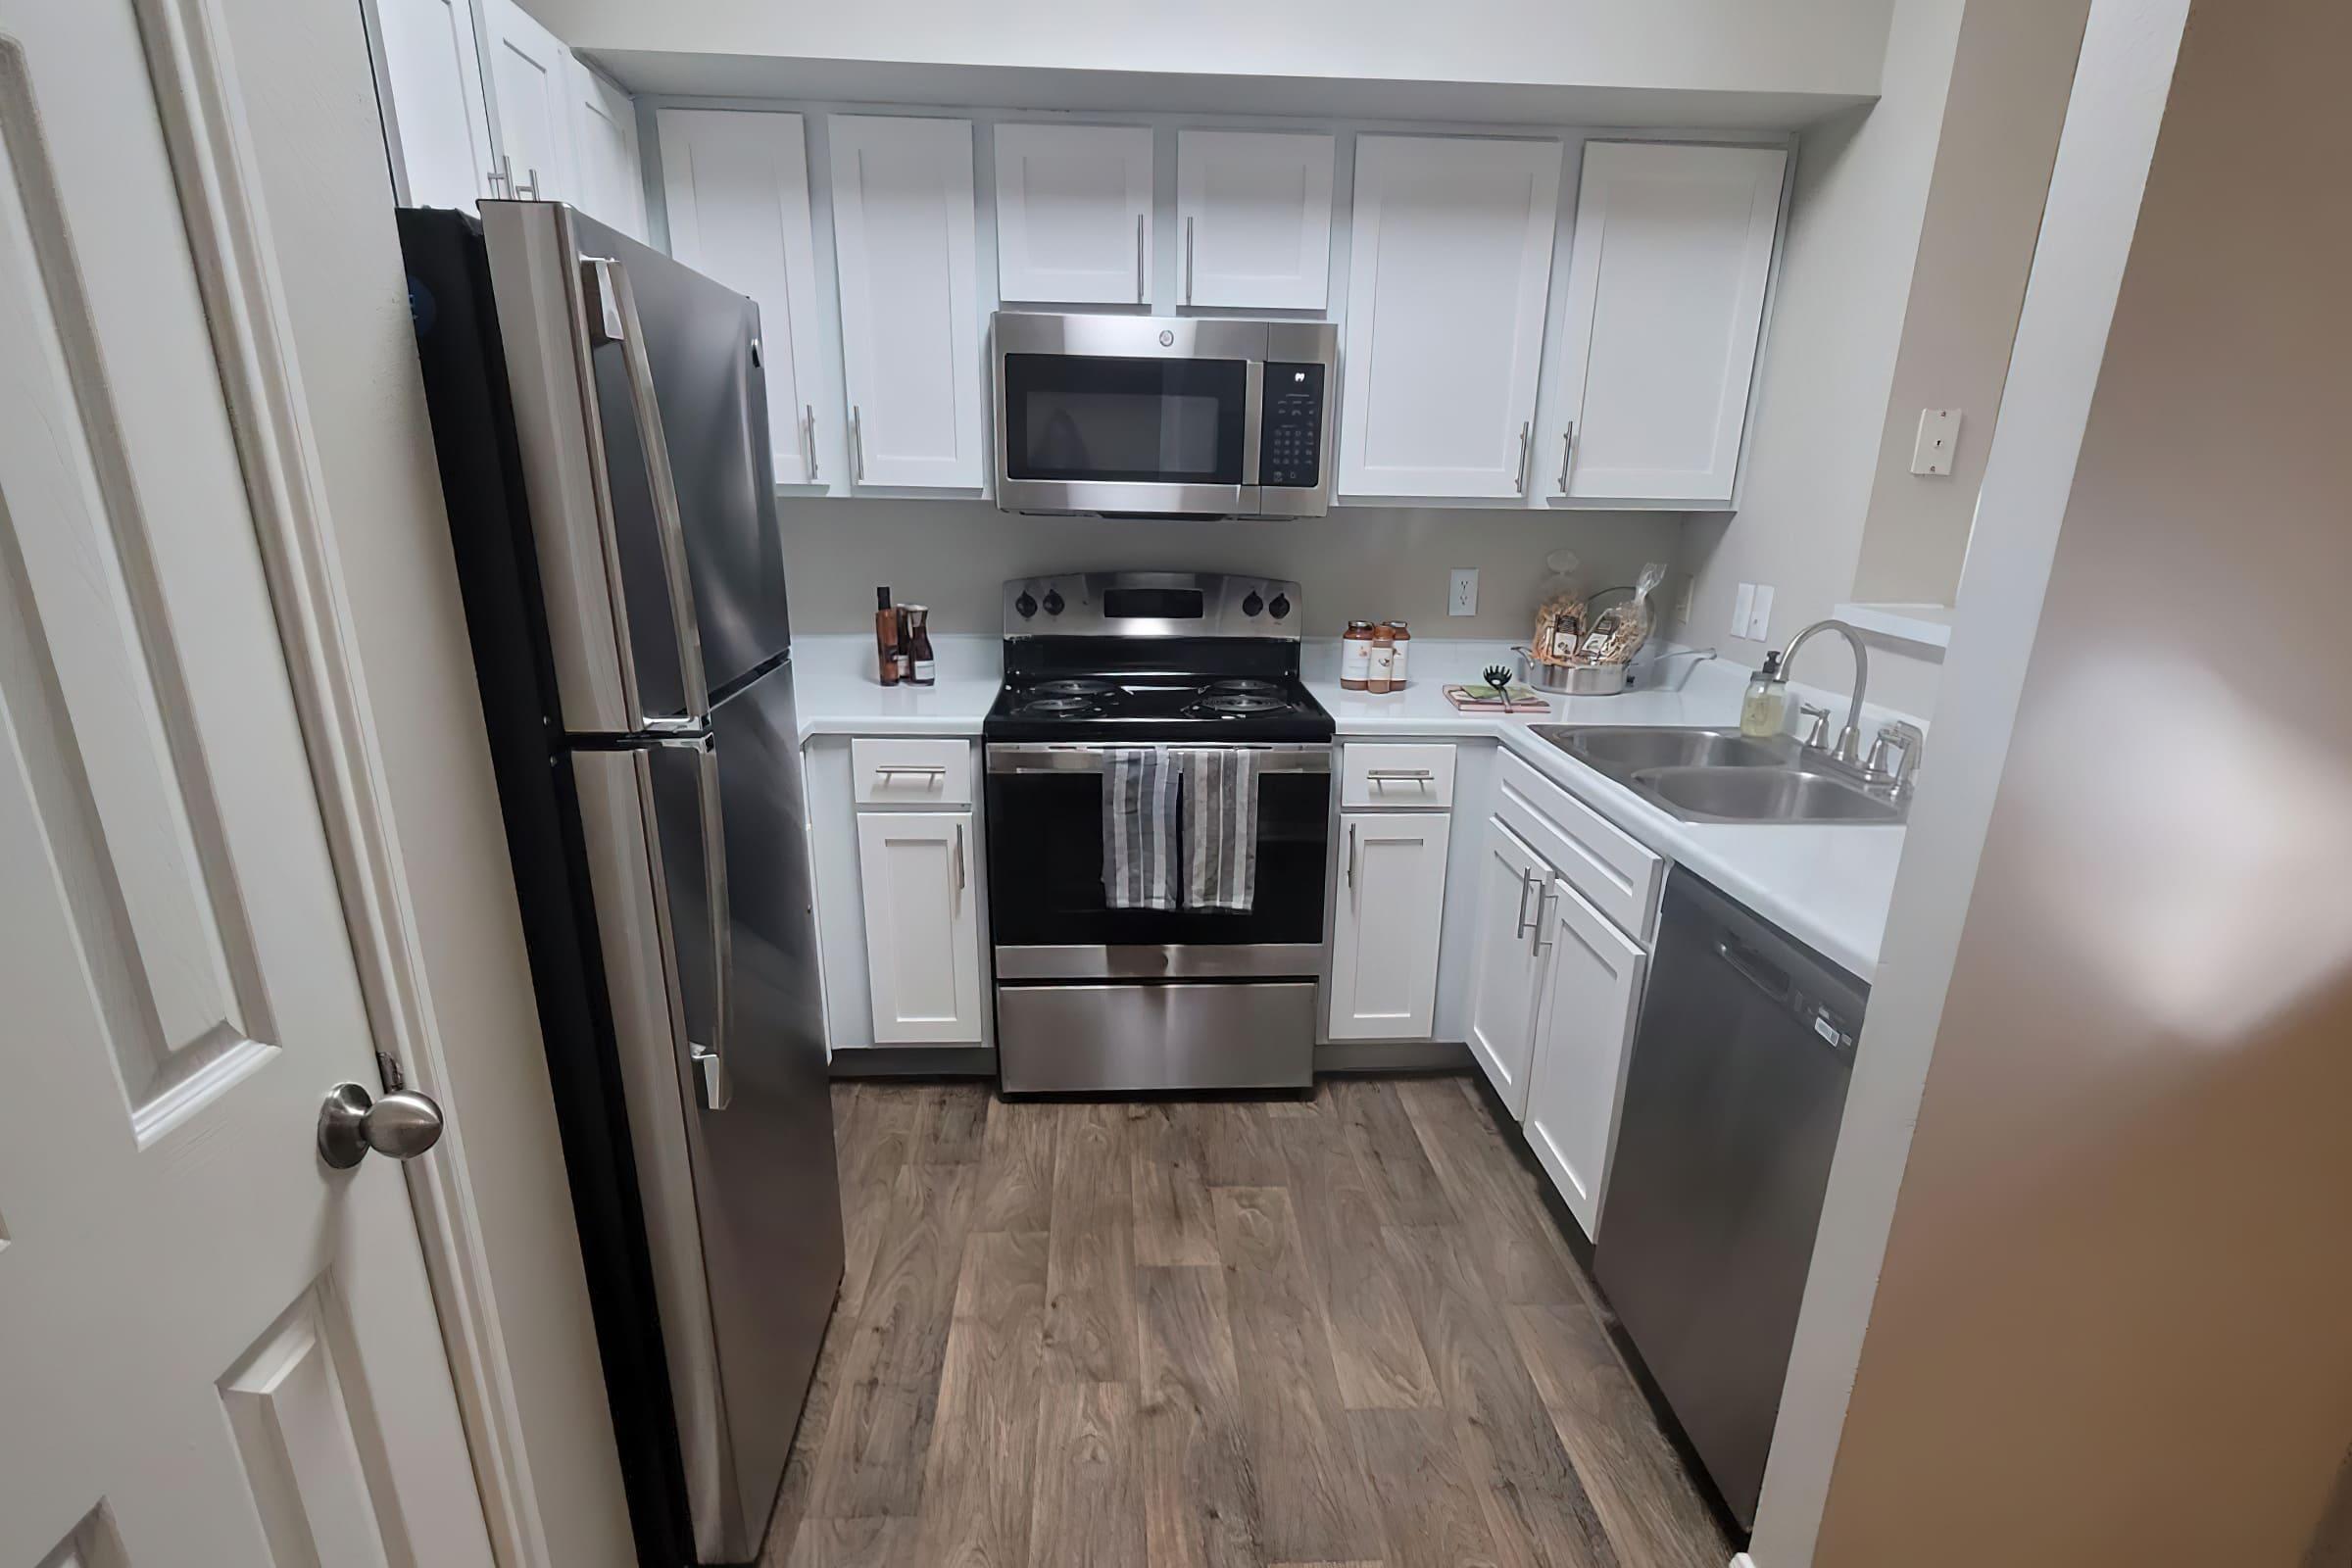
x=1360 y=561
x=311 y=102
x=2112 y=1321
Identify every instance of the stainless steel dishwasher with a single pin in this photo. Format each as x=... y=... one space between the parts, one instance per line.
x=1731 y=1106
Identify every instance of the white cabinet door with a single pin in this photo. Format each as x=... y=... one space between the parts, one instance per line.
x=1392 y=900
x=903 y=239
x=530 y=76
x=922 y=927
x=603 y=139
x=436 y=116
x=1664 y=300
x=1508 y=985
x=1446 y=280
x=1253 y=217
x=1584 y=1041
x=736 y=182
x=1074 y=213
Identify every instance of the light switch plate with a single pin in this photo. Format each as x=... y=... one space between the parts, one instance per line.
x=1939 y=437
x=1759 y=620
x=1743 y=608
x=1461 y=592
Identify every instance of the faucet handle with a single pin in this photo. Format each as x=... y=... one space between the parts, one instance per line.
x=1900 y=737
x=1817 y=733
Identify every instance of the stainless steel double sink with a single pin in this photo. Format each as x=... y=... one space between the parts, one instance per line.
x=1720 y=775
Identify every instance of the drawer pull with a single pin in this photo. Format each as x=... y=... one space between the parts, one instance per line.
x=928 y=771
x=1384 y=775
x=1525 y=882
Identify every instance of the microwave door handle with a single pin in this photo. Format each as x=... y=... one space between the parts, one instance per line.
x=1254 y=403
x=608 y=281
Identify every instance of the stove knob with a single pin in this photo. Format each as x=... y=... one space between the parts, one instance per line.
x=1025 y=604
x=1252 y=605
x=1280 y=606
x=1054 y=602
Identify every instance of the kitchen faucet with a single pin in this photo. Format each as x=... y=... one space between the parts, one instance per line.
x=1849 y=739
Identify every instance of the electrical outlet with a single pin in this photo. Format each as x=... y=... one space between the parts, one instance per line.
x=1743 y=609
x=1939 y=435
x=1759 y=620
x=1461 y=592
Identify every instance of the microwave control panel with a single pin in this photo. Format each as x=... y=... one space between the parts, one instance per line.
x=1290 y=434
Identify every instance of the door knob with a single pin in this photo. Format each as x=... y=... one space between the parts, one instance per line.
x=403 y=1124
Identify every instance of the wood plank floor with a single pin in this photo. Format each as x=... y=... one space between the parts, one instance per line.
x=1217 y=1335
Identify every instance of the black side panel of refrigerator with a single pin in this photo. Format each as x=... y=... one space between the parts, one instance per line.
x=482 y=479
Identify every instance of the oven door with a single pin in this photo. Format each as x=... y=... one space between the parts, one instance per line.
x=1045 y=876
x=1099 y=413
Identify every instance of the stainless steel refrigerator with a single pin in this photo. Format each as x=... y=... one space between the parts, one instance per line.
x=600 y=418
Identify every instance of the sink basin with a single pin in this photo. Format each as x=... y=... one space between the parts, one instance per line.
x=1631 y=749
x=1720 y=775
x=1763 y=795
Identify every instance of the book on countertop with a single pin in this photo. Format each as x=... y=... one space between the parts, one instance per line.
x=1516 y=699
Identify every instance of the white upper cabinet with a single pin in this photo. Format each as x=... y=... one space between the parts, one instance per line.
x=1074 y=213
x=736 y=184
x=1254 y=220
x=603 y=143
x=436 y=116
x=903 y=241
x=1446 y=280
x=531 y=79
x=1663 y=304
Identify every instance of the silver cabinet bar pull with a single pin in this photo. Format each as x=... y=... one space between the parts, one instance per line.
x=808 y=436
x=1381 y=775
x=929 y=770
x=960 y=859
x=856 y=445
x=1527 y=430
x=1352 y=857
x=1526 y=880
x=1567 y=450
x=1188 y=258
x=1138 y=258
x=1542 y=893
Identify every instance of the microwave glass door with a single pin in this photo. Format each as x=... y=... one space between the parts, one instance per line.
x=1103 y=420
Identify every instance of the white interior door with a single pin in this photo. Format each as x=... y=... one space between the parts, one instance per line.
x=603 y=139
x=1074 y=213
x=904 y=241
x=531 y=72
x=1446 y=280
x=736 y=182
x=1254 y=209
x=213 y=1349
x=436 y=116
x=1663 y=304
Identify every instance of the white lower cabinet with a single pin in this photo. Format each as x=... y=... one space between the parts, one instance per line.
x=1391 y=903
x=922 y=926
x=1584 y=1037
x=1507 y=990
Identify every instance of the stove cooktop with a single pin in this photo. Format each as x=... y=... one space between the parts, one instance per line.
x=1174 y=708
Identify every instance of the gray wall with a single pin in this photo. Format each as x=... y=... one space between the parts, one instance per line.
x=1372 y=563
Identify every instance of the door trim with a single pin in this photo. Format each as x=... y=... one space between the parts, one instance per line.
x=187 y=42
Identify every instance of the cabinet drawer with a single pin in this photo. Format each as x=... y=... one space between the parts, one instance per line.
x=1615 y=871
x=1387 y=777
x=911 y=772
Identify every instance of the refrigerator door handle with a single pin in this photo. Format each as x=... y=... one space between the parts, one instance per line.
x=712 y=1060
x=612 y=318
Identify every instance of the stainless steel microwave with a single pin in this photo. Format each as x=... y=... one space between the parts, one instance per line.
x=1154 y=415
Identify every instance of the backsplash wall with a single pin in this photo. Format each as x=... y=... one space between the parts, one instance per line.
x=1373 y=563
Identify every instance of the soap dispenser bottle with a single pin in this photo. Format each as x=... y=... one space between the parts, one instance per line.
x=1765 y=709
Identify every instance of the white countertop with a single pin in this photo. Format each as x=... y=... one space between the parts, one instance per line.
x=1828 y=886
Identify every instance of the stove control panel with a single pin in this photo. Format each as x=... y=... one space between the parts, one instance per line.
x=1152 y=604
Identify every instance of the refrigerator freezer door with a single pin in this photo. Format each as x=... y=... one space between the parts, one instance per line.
x=734 y=957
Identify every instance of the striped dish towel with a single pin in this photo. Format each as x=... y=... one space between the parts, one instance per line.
x=1139 y=828
x=1220 y=828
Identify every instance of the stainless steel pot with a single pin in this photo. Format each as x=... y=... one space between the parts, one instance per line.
x=1570 y=680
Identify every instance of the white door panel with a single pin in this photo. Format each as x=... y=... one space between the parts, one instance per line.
x=213 y=1349
x=737 y=189
x=1583 y=1042
x=1074 y=213
x=904 y=237
x=436 y=115
x=922 y=927
x=1254 y=215
x=1448 y=276
x=531 y=76
x=1663 y=304
x=1508 y=985
x=1392 y=901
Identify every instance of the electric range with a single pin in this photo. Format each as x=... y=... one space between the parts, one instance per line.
x=1093 y=997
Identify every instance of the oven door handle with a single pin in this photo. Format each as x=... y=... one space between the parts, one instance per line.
x=1077 y=758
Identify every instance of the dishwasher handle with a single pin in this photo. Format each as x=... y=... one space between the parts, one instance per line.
x=1754 y=968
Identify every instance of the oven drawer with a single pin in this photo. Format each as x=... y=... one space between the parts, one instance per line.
x=1391 y=777
x=911 y=772
x=1121 y=1037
